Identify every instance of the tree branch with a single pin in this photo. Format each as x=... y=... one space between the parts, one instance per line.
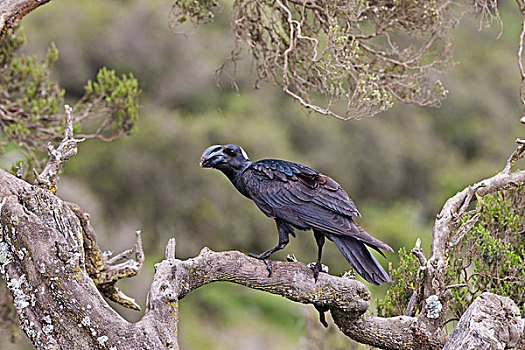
x=12 y=11
x=41 y=244
x=292 y=280
x=43 y=262
x=58 y=156
x=49 y=243
x=105 y=271
x=435 y=292
x=455 y=206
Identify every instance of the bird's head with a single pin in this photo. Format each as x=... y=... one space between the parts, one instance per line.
x=225 y=158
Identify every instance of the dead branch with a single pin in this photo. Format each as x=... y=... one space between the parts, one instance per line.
x=435 y=292
x=105 y=270
x=455 y=206
x=384 y=333
x=43 y=262
x=422 y=260
x=58 y=156
x=292 y=280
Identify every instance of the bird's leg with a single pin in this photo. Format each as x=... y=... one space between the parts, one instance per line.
x=283 y=230
x=322 y=310
x=319 y=238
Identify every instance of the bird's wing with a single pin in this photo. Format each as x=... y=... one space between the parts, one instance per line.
x=304 y=198
x=298 y=184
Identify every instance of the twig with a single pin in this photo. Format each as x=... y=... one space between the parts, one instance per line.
x=418 y=252
x=57 y=157
x=170 y=249
x=520 y=150
x=462 y=231
x=520 y=64
x=518 y=153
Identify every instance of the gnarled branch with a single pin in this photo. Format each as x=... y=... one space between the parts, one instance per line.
x=435 y=293
x=41 y=244
x=292 y=280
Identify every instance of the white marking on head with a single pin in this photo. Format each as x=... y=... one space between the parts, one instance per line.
x=243 y=153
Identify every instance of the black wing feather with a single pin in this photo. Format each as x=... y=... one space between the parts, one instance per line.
x=361 y=259
x=305 y=198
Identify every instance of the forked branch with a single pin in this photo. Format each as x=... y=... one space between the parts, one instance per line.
x=58 y=156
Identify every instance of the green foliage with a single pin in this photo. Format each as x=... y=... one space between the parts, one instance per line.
x=491 y=255
x=27 y=92
x=353 y=54
x=404 y=283
x=486 y=252
x=31 y=102
x=116 y=97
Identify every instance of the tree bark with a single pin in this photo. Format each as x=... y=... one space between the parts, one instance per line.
x=46 y=259
x=435 y=294
x=12 y=11
x=43 y=259
x=57 y=275
x=490 y=322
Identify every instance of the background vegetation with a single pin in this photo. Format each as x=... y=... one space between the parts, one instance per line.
x=399 y=167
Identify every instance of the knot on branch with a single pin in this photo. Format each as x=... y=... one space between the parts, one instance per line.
x=168 y=293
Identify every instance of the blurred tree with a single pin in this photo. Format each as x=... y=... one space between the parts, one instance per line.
x=31 y=103
x=359 y=56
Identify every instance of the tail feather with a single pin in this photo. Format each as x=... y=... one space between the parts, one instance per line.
x=361 y=259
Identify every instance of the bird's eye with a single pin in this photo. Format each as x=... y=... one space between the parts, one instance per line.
x=229 y=151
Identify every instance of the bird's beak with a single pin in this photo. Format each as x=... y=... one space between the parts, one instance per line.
x=211 y=156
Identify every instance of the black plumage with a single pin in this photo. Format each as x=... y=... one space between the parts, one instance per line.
x=299 y=197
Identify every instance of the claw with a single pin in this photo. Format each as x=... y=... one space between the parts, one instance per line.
x=268 y=266
x=267 y=262
x=316 y=268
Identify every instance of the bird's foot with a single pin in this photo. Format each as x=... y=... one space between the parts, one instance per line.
x=263 y=257
x=291 y=258
x=316 y=268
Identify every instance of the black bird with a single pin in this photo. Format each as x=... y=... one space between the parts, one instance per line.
x=296 y=196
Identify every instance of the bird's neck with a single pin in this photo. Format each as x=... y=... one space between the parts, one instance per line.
x=235 y=176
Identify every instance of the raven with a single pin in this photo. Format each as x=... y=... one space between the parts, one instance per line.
x=296 y=196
